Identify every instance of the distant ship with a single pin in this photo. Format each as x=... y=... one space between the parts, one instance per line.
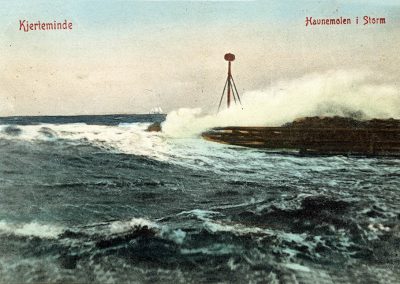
x=156 y=110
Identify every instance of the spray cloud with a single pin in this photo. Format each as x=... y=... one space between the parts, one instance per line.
x=350 y=93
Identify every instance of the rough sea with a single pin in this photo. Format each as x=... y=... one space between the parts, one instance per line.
x=99 y=199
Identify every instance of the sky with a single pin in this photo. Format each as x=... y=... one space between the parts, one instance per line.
x=131 y=56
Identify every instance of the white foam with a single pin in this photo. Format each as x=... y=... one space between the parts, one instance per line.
x=237 y=229
x=297 y=267
x=125 y=226
x=177 y=236
x=33 y=229
x=378 y=227
x=200 y=214
x=215 y=249
x=126 y=138
x=287 y=238
x=134 y=139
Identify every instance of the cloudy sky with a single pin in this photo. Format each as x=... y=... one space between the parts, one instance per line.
x=130 y=56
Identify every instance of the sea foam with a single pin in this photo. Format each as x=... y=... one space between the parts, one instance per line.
x=32 y=229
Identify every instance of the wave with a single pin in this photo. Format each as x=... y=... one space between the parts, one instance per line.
x=105 y=234
x=349 y=93
x=55 y=231
x=194 y=153
x=126 y=138
x=32 y=229
x=118 y=227
x=213 y=236
x=130 y=139
x=11 y=130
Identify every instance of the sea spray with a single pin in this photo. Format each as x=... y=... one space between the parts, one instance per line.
x=350 y=93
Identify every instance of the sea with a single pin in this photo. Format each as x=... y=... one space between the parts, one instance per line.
x=98 y=199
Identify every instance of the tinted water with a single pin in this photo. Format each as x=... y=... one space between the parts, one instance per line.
x=99 y=199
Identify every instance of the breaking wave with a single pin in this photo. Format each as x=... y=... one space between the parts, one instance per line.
x=128 y=138
x=132 y=138
x=357 y=94
x=33 y=229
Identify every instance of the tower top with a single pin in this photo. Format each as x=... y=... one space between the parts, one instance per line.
x=229 y=57
x=230 y=85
